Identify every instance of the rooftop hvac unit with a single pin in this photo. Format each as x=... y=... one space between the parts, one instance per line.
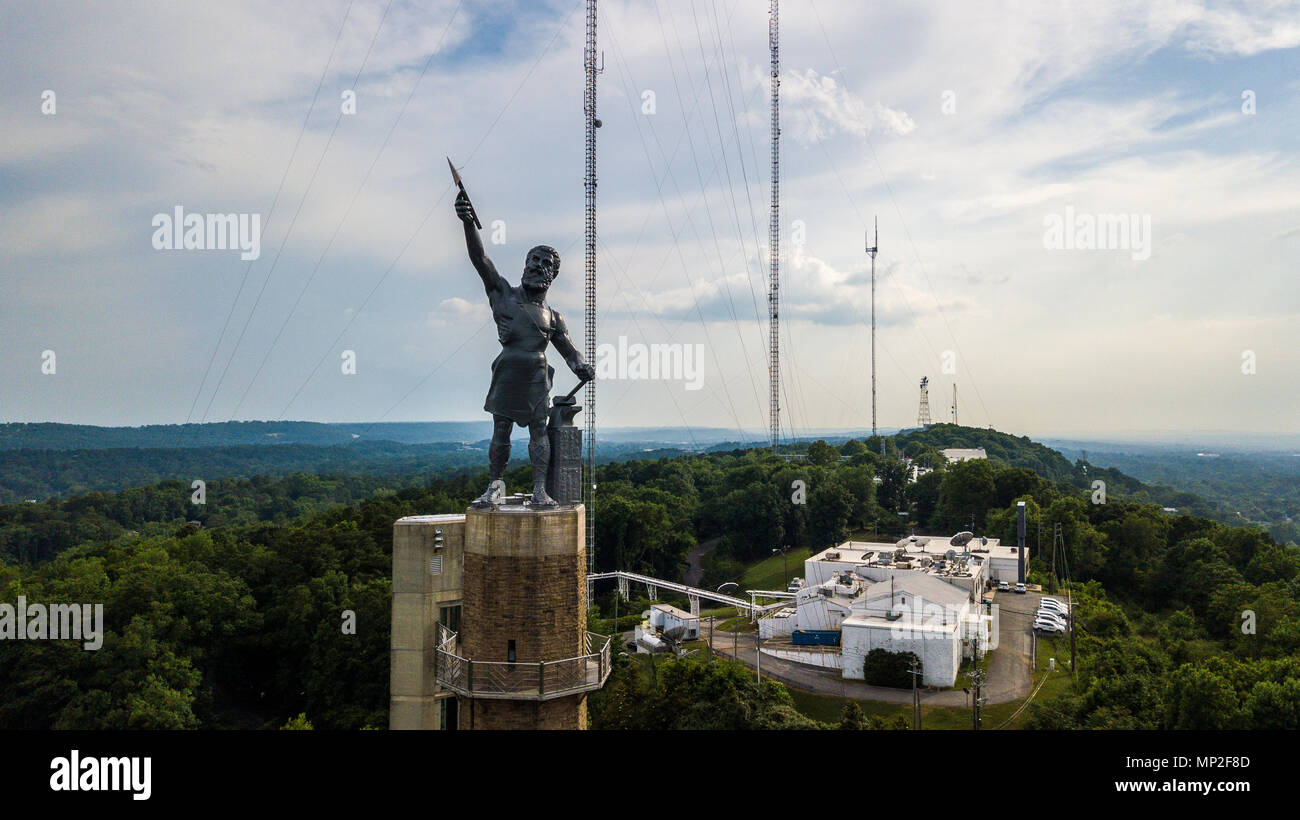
x=833 y=555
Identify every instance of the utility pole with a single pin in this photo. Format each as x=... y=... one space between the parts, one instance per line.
x=710 y=639
x=785 y=569
x=916 y=696
x=1070 y=606
x=977 y=685
x=774 y=233
x=871 y=251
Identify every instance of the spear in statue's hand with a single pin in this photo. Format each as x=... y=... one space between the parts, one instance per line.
x=455 y=177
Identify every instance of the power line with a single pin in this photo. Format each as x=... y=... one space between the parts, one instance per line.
x=703 y=193
x=546 y=50
x=279 y=189
x=294 y=221
x=387 y=137
x=925 y=274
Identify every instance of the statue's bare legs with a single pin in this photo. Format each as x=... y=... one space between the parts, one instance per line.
x=539 y=452
x=498 y=457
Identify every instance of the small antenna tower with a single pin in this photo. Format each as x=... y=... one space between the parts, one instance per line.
x=871 y=251
x=923 y=416
x=954 y=402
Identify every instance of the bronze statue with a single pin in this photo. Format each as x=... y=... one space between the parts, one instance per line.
x=521 y=379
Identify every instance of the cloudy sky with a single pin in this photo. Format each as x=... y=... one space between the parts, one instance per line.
x=968 y=129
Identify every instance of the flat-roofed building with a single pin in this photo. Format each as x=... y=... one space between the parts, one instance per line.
x=666 y=618
x=911 y=612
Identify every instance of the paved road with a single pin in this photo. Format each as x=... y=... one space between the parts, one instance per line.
x=1009 y=670
x=691 y=577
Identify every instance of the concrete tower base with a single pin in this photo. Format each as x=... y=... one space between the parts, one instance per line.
x=524 y=602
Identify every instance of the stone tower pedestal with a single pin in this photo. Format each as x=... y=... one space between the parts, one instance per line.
x=522 y=658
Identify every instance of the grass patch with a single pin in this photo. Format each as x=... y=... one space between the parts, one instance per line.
x=827 y=708
x=773 y=573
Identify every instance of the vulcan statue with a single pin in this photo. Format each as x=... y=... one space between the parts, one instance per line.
x=521 y=378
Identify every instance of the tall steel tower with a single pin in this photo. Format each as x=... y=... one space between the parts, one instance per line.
x=774 y=233
x=589 y=186
x=871 y=251
x=954 y=402
x=923 y=415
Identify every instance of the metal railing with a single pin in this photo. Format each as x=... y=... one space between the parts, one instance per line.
x=503 y=680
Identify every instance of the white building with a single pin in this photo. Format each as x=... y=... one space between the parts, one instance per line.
x=920 y=594
x=956 y=454
x=912 y=612
x=666 y=618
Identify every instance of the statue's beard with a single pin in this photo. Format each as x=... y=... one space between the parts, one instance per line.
x=535 y=291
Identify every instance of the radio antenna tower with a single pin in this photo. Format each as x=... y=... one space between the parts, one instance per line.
x=954 y=402
x=589 y=187
x=774 y=234
x=923 y=416
x=871 y=251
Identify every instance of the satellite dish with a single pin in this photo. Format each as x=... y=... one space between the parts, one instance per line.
x=950 y=555
x=961 y=538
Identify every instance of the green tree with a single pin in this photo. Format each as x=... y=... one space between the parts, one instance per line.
x=1197 y=698
x=820 y=453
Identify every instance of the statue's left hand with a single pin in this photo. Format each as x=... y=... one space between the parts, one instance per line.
x=585 y=372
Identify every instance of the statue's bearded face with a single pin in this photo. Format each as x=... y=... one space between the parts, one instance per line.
x=541 y=267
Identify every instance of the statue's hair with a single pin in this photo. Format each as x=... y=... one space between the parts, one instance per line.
x=551 y=252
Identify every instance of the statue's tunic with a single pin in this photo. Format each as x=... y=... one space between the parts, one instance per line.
x=521 y=378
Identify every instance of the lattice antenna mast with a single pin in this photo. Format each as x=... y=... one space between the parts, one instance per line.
x=774 y=234
x=589 y=187
x=954 y=402
x=871 y=251
x=923 y=415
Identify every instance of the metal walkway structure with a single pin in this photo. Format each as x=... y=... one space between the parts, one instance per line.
x=693 y=594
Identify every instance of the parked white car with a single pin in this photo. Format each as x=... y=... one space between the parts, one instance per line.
x=1020 y=588
x=1043 y=615
x=1053 y=604
x=1048 y=625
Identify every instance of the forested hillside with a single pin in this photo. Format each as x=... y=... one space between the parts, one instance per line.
x=237 y=623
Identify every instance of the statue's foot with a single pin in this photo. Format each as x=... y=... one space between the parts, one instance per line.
x=541 y=499
x=492 y=496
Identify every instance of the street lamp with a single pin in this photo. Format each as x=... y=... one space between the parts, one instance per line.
x=785 y=570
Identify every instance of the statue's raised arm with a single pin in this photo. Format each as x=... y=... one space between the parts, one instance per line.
x=492 y=281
